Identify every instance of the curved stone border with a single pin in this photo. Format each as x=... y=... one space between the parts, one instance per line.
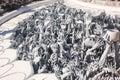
x=23 y=9
x=79 y=4
x=93 y=7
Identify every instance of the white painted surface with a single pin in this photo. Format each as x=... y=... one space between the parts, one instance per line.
x=93 y=7
x=4 y=61
x=10 y=54
x=15 y=76
x=46 y=76
x=23 y=67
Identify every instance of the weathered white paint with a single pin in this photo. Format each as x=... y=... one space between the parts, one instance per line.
x=93 y=7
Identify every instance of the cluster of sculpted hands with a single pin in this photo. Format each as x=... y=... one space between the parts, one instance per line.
x=73 y=44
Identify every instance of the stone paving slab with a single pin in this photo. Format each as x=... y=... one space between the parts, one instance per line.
x=22 y=67
x=15 y=76
x=46 y=76
x=7 y=56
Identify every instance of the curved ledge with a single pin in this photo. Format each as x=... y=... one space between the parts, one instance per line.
x=93 y=7
x=72 y=3
x=23 y=9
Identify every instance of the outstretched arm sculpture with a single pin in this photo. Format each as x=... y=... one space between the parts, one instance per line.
x=105 y=71
x=111 y=36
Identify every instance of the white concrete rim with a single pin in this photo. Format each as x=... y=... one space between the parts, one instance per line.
x=80 y=4
x=23 y=9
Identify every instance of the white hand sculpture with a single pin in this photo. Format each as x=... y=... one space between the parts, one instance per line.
x=112 y=36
